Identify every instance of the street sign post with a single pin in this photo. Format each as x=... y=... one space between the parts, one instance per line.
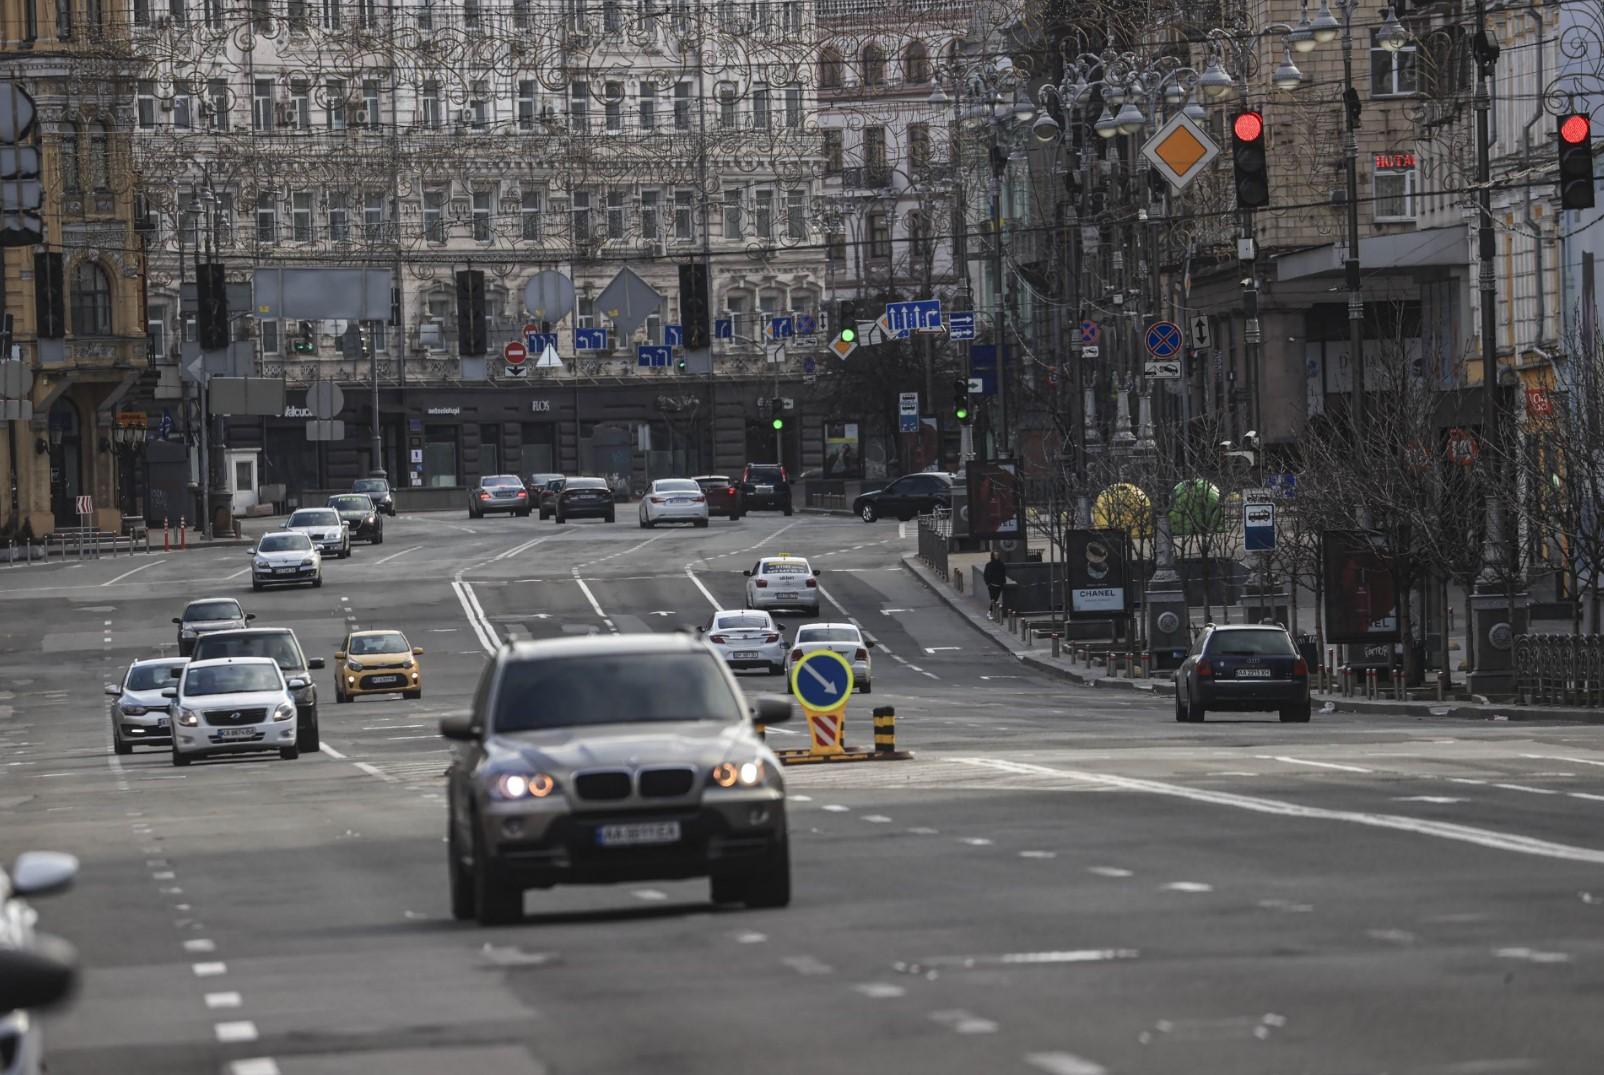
x=908 y=403
x=724 y=328
x=674 y=335
x=983 y=368
x=590 y=339
x=1162 y=369
x=920 y=315
x=781 y=328
x=961 y=325
x=1163 y=339
x=1090 y=332
x=807 y=324
x=1200 y=331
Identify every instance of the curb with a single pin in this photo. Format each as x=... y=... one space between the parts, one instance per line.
x=1511 y=713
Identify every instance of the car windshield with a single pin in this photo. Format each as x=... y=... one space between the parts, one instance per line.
x=151 y=677
x=678 y=485
x=614 y=689
x=213 y=610
x=713 y=483
x=765 y=474
x=231 y=679
x=828 y=634
x=284 y=543
x=501 y=481
x=351 y=503
x=743 y=619
x=365 y=644
x=1250 y=644
x=585 y=483
x=785 y=568
x=278 y=646
x=315 y=517
x=371 y=485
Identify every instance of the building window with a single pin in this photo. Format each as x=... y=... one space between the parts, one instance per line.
x=482 y=215
x=760 y=108
x=791 y=16
x=217 y=104
x=91 y=300
x=529 y=215
x=915 y=62
x=471 y=14
x=520 y=14
x=267 y=332
x=141 y=12
x=763 y=214
x=872 y=66
x=918 y=147
x=830 y=69
x=367 y=14
x=301 y=104
x=683 y=229
x=835 y=249
x=793 y=107
x=648 y=106
x=1393 y=74
x=682 y=106
x=434 y=216
x=920 y=243
x=732 y=213
x=71 y=181
x=879 y=231
x=526 y=105
x=301 y=216
x=795 y=222
x=615 y=214
x=726 y=105
x=266 y=219
x=874 y=151
x=63 y=20
x=223 y=219
x=373 y=216
x=336 y=109
x=339 y=216
x=440 y=456
x=613 y=106
x=581 y=218
x=834 y=152
x=183 y=106
x=579 y=106
x=331 y=14
x=145 y=104
x=99 y=157
x=1395 y=187
x=370 y=103
x=262 y=104
x=651 y=226
x=740 y=311
x=479 y=105
x=294 y=13
x=429 y=97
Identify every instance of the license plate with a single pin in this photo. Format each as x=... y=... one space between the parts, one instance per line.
x=654 y=832
x=1252 y=673
x=284 y=571
x=161 y=725
x=383 y=681
x=234 y=733
x=746 y=655
x=786 y=596
x=763 y=488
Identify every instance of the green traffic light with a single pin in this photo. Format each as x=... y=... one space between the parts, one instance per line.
x=848 y=335
x=778 y=423
x=962 y=413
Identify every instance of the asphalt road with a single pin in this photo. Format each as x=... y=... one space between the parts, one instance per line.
x=1063 y=880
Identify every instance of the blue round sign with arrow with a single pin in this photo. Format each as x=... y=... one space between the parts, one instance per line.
x=822 y=680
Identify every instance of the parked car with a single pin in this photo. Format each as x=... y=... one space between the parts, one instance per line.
x=673 y=500
x=138 y=708
x=582 y=498
x=909 y=495
x=208 y=614
x=360 y=516
x=498 y=492
x=723 y=495
x=280 y=644
x=1239 y=667
x=765 y=487
x=547 y=496
x=378 y=490
x=36 y=971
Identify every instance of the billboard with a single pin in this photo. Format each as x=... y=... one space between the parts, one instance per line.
x=994 y=506
x=1361 y=605
x=1096 y=563
x=843 y=454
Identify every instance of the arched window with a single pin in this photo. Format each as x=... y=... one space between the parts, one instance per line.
x=830 y=69
x=872 y=65
x=91 y=300
x=71 y=179
x=916 y=62
x=99 y=153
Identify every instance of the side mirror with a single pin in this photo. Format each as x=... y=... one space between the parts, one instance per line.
x=37 y=976
x=178 y=619
x=817 y=572
x=284 y=526
x=314 y=662
x=771 y=709
x=170 y=692
x=700 y=629
x=249 y=616
x=339 y=655
x=112 y=690
x=869 y=643
x=417 y=651
x=297 y=683
x=43 y=873
x=748 y=573
x=462 y=729
x=251 y=551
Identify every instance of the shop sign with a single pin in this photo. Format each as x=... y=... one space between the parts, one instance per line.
x=540 y=406
x=443 y=411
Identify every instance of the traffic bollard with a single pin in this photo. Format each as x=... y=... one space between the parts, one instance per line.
x=885 y=729
x=1055 y=646
x=183 y=533
x=1442 y=686
x=167 y=537
x=1397 y=684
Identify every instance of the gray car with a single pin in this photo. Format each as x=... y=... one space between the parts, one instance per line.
x=498 y=492
x=326 y=529
x=138 y=707
x=208 y=614
x=613 y=759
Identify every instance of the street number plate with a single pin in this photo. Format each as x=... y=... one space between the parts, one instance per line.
x=655 y=832
x=234 y=733
x=1252 y=673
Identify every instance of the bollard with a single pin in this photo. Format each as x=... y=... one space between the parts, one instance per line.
x=183 y=533
x=167 y=537
x=1145 y=659
x=885 y=729
x=1371 y=683
x=1442 y=685
x=1055 y=646
x=1397 y=684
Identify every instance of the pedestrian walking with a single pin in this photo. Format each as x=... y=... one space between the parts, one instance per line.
x=996 y=576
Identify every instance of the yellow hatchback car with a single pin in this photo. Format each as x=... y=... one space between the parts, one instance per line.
x=377 y=662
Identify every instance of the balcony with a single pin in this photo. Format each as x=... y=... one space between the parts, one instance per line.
x=868 y=177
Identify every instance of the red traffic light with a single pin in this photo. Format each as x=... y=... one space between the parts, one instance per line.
x=1575 y=129
x=1248 y=126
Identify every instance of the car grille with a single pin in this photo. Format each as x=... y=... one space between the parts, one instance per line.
x=666 y=783
x=229 y=718
x=603 y=786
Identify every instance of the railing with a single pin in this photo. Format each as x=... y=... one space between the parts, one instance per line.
x=1567 y=669
x=935 y=532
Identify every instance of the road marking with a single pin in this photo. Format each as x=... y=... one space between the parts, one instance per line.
x=1560 y=757
x=373 y=770
x=1440 y=800
x=975 y=841
x=1532 y=955
x=836 y=808
x=1064 y=1064
x=705 y=591
x=136 y=571
x=1317 y=764
x=1109 y=871
x=330 y=751
x=1585 y=795
x=228 y=1033
x=1442 y=830
x=592 y=599
x=222 y=1000
x=1528 y=790
x=237 y=574
x=1188 y=886
x=807 y=965
x=876 y=819
x=939 y=649
x=650 y=895
x=963 y=1022
x=200 y=944
x=210 y=970
x=260 y=1065
x=879 y=990
x=482 y=629
x=394 y=555
x=1038 y=854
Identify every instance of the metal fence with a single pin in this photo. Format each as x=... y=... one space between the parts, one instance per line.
x=1567 y=669
x=935 y=533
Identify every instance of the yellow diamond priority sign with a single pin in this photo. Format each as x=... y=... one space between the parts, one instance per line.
x=1180 y=150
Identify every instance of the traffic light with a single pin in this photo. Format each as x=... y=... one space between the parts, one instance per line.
x=849 y=335
x=693 y=310
x=960 y=401
x=775 y=407
x=1575 y=161
x=1248 y=161
x=471 y=312
x=211 y=293
x=305 y=342
x=681 y=363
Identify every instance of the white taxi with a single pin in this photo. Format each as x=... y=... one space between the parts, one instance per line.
x=746 y=639
x=776 y=582
x=843 y=638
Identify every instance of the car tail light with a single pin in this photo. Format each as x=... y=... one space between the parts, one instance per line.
x=1300 y=667
x=716 y=638
x=656 y=499
x=762 y=584
x=698 y=500
x=1204 y=668
x=771 y=638
x=783 y=476
x=522 y=493
x=812 y=583
x=796 y=655
x=730 y=490
x=861 y=655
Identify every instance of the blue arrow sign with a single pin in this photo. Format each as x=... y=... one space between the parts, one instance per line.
x=920 y=315
x=1163 y=339
x=651 y=355
x=674 y=335
x=822 y=680
x=781 y=328
x=590 y=339
x=724 y=328
x=537 y=341
x=961 y=325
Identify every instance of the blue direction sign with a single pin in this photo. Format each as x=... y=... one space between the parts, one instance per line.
x=650 y=355
x=537 y=341
x=961 y=325
x=983 y=367
x=822 y=680
x=807 y=324
x=920 y=315
x=1090 y=332
x=590 y=339
x=1163 y=339
x=781 y=328
x=674 y=335
x=724 y=328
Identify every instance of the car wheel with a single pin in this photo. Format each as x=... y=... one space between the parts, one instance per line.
x=523 y=514
x=317 y=583
x=120 y=747
x=608 y=517
x=178 y=758
x=494 y=902
x=412 y=695
x=463 y=900
x=1180 y=709
x=561 y=519
x=770 y=884
x=289 y=753
x=1195 y=714
x=306 y=735
x=868 y=514
x=902 y=518
x=727 y=887
x=776 y=669
x=257 y=586
x=787 y=510
x=1298 y=714
x=378 y=539
x=864 y=687
x=735 y=517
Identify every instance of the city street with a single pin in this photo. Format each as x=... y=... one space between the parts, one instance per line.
x=1061 y=880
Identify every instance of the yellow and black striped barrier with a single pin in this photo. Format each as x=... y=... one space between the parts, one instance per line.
x=885 y=729
x=885 y=745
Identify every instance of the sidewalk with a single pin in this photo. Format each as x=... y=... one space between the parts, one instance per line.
x=1040 y=658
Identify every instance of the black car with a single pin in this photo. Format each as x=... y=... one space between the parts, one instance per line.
x=584 y=498
x=378 y=490
x=537 y=484
x=1242 y=668
x=765 y=487
x=546 y=496
x=280 y=644
x=909 y=495
x=361 y=516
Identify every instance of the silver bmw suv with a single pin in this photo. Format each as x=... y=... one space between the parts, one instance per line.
x=613 y=759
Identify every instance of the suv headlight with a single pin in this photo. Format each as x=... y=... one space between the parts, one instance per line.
x=747 y=774
x=188 y=718
x=520 y=787
x=284 y=711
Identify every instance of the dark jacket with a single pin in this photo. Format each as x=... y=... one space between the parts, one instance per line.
x=996 y=573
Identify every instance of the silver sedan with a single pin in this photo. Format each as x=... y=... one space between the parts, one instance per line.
x=673 y=500
x=746 y=639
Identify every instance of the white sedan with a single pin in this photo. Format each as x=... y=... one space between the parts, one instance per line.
x=782 y=582
x=746 y=639
x=843 y=638
x=285 y=558
x=231 y=706
x=673 y=500
x=326 y=529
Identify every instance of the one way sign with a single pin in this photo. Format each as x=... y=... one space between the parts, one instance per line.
x=1200 y=331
